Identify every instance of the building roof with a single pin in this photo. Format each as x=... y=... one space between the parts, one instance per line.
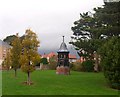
x=63 y=47
x=49 y=55
x=72 y=56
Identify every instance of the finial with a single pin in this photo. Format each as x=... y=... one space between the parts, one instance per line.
x=63 y=38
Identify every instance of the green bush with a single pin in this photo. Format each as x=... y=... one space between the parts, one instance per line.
x=53 y=63
x=76 y=66
x=88 y=65
x=71 y=65
x=44 y=61
x=110 y=60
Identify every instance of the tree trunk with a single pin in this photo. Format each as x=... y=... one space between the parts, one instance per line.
x=7 y=68
x=28 y=80
x=96 y=67
x=15 y=72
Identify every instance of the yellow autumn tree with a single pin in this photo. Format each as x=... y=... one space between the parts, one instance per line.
x=15 y=53
x=29 y=57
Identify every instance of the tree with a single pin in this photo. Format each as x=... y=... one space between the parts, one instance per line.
x=29 y=56
x=15 y=53
x=43 y=64
x=44 y=61
x=9 y=39
x=108 y=17
x=110 y=60
x=86 y=36
x=92 y=30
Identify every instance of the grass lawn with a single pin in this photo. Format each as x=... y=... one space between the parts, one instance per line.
x=48 y=83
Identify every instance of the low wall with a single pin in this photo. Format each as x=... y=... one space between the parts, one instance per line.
x=65 y=70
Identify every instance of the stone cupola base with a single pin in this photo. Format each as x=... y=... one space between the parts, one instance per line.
x=63 y=70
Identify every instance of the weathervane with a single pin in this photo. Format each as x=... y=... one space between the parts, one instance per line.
x=63 y=38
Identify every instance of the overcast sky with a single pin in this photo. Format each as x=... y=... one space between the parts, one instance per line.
x=50 y=19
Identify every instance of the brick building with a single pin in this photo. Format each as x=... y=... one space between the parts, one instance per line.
x=4 y=47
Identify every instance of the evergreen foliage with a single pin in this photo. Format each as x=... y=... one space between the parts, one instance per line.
x=88 y=66
x=44 y=61
x=110 y=60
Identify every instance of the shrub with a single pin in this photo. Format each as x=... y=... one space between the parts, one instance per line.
x=110 y=60
x=76 y=66
x=71 y=65
x=53 y=63
x=44 y=61
x=88 y=65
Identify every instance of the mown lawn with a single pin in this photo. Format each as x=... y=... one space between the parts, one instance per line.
x=48 y=83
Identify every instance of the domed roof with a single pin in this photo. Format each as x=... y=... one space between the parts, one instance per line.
x=63 y=47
